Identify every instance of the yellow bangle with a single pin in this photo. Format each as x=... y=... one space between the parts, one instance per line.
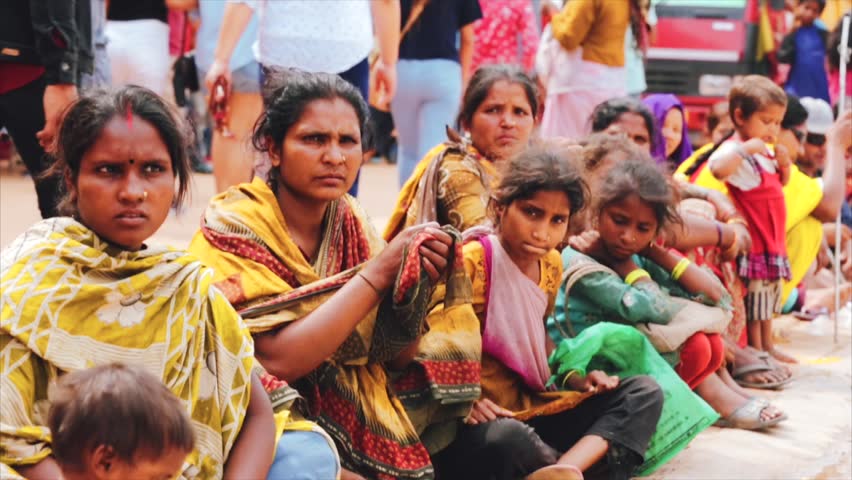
x=680 y=268
x=565 y=380
x=636 y=275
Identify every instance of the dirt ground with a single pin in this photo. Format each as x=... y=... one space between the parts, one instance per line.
x=815 y=443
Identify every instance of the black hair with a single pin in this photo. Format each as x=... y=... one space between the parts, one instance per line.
x=539 y=168
x=484 y=78
x=85 y=119
x=821 y=3
x=714 y=118
x=608 y=112
x=749 y=95
x=287 y=93
x=648 y=182
x=599 y=145
x=796 y=114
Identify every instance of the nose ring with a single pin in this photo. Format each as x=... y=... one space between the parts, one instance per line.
x=145 y=195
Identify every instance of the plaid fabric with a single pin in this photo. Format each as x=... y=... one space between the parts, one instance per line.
x=765 y=266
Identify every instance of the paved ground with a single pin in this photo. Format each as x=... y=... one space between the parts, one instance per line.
x=815 y=443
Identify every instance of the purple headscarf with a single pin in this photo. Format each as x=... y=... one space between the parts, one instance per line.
x=660 y=104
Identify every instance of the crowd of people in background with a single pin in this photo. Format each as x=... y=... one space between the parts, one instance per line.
x=567 y=286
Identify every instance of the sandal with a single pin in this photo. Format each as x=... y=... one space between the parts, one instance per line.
x=765 y=366
x=556 y=472
x=747 y=417
x=740 y=372
x=810 y=314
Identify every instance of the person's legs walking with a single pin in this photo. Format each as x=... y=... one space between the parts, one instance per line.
x=441 y=104
x=22 y=113
x=233 y=158
x=405 y=108
x=359 y=75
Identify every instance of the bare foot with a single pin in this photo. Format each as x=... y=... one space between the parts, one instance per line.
x=556 y=472
x=781 y=356
x=349 y=475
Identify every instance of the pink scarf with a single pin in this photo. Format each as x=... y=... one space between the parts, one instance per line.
x=514 y=330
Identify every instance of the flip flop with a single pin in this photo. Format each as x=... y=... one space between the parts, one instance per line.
x=556 y=472
x=766 y=366
x=809 y=314
x=747 y=417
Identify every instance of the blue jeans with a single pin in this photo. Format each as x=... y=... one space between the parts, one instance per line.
x=304 y=456
x=427 y=99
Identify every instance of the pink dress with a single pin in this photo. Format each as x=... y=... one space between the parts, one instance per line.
x=507 y=33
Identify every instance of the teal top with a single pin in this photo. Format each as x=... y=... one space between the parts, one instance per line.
x=605 y=297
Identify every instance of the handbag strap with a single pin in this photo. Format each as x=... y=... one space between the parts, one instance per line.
x=570 y=277
x=416 y=10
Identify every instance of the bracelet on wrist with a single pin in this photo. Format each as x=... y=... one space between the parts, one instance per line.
x=680 y=268
x=371 y=284
x=636 y=275
x=729 y=251
x=737 y=220
x=567 y=376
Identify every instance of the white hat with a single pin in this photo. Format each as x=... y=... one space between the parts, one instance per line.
x=820 y=116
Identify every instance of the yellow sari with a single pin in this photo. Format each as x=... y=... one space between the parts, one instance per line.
x=500 y=384
x=245 y=239
x=451 y=186
x=72 y=301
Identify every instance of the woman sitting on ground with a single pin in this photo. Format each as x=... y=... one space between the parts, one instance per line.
x=628 y=278
x=451 y=184
x=699 y=236
x=85 y=289
x=332 y=308
x=515 y=272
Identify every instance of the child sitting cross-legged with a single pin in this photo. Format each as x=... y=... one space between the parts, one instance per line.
x=117 y=421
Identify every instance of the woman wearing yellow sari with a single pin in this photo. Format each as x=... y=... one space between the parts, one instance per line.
x=451 y=184
x=332 y=309
x=85 y=290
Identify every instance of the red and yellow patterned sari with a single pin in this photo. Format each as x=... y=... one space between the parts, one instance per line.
x=245 y=239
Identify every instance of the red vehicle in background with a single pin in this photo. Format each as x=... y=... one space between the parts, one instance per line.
x=701 y=46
